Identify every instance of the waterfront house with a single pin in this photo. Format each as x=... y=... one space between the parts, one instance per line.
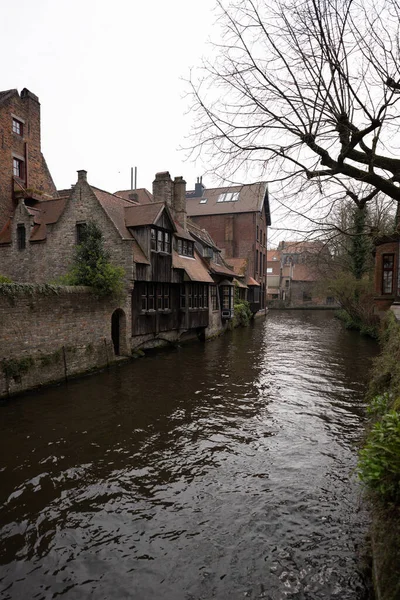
x=237 y=218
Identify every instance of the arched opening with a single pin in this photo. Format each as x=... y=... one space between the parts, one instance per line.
x=118 y=326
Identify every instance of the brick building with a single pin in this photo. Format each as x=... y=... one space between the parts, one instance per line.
x=294 y=270
x=237 y=218
x=22 y=165
x=387 y=280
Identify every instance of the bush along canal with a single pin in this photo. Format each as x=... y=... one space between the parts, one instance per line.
x=221 y=470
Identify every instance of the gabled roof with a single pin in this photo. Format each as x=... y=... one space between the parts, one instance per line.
x=114 y=207
x=201 y=234
x=273 y=255
x=238 y=265
x=45 y=213
x=193 y=267
x=218 y=269
x=137 y=215
x=182 y=233
x=143 y=195
x=7 y=94
x=247 y=198
x=301 y=247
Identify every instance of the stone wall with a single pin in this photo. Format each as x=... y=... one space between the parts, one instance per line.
x=50 y=334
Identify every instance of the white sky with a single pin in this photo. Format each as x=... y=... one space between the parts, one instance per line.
x=108 y=75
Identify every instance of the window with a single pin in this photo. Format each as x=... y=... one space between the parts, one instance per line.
x=214 y=300
x=256 y=261
x=387 y=273
x=257 y=232
x=330 y=300
x=80 y=232
x=287 y=283
x=197 y=294
x=203 y=201
x=307 y=297
x=226 y=296
x=155 y=297
x=261 y=271
x=228 y=197
x=153 y=239
x=185 y=247
x=17 y=127
x=160 y=240
x=21 y=237
x=269 y=269
x=18 y=168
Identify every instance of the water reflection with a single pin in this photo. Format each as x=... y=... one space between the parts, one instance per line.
x=222 y=470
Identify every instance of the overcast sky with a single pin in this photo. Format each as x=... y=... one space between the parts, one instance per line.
x=108 y=75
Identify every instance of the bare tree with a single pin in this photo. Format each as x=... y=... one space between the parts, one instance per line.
x=305 y=90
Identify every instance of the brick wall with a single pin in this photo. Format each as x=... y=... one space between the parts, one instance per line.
x=384 y=301
x=25 y=108
x=47 y=337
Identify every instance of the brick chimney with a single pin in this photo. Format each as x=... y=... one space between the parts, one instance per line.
x=82 y=175
x=179 y=201
x=163 y=188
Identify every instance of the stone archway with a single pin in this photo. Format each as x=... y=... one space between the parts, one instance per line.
x=118 y=331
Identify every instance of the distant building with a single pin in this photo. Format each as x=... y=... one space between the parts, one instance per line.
x=293 y=270
x=237 y=218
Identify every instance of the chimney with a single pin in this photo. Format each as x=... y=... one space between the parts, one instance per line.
x=82 y=175
x=27 y=94
x=199 y=188
x=179 y=201
x=163 y=188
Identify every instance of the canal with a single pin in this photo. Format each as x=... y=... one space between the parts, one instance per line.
x=220 y=470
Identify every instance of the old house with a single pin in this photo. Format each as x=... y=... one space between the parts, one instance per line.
x=22 y=165
x=237 y=218
x=387 y=280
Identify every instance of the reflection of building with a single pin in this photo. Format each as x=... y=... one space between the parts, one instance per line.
x=237 y=218
x=293 y=270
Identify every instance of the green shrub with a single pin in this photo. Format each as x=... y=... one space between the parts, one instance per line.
x=4 y=279
x=379 y=460
x=242 y=314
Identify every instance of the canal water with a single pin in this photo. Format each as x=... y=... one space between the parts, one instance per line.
x=220 y=470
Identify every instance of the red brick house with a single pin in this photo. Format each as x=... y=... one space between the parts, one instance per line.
x=22 y=165
x=387 y=280
x=237 y=218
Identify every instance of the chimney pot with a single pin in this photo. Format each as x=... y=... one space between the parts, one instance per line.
x=82 y=175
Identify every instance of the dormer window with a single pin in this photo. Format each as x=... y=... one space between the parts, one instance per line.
x=185 y=247
x=160 y=240
x=228 y=197
x=17 y=126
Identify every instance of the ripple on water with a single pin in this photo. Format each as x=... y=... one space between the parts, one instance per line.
x=235 y=482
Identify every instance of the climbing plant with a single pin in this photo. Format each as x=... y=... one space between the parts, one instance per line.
x=92 y=267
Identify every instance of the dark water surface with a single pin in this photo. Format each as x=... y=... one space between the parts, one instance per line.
x=222 y=470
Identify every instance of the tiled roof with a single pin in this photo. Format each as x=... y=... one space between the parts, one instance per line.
x=181 y=233
x=300 y=247
x=238 y=265
x=141 y=215
x=201 y=234
x=273 y=255
x=251 y=281
x=45 y=213
x=250 y=199
x=221 y=269
x=143 y=195
x=114 y=207
x=138 y=254
x=193 y=267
